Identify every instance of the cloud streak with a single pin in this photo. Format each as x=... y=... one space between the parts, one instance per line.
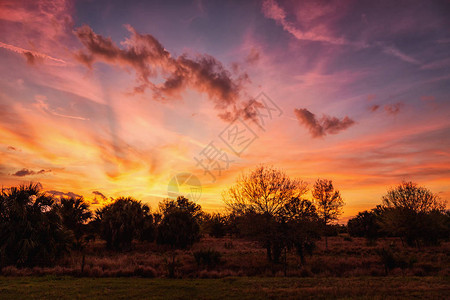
x=323 y=126
x=30 y=55
x=272 y=10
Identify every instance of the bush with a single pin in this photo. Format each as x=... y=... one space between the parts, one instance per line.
x=390 y=260
x=209 y=258
x=179 y=227
x=122 y=221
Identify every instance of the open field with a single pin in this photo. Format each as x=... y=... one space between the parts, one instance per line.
x=345 y=258
x=52 y=287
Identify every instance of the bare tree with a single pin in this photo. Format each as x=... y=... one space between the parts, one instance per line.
x=265 y=190
x=414 y=214
x=262 y=197
x=410 y=196
x=328 y=201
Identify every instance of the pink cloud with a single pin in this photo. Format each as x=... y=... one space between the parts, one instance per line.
x=272 y=10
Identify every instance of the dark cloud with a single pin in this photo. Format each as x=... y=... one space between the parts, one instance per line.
x=12 y=148
x=23 y=172
x=60 y=194
x=393 y=109
x=30 y=58
x=326 y=124
x=252 y=57
x=97 y=193
x=374 y=108
x=147 y=56
x=26 y=172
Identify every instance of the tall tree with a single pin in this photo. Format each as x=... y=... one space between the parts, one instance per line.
x=265 y=190
x=179 y=227
x=30 y=227
x=415 y=214
x=260 y=199
x=75 y=214
x=328 y=201
x=122 y=221
x=410 y=196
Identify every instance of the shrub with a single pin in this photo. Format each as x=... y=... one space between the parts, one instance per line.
x=123 y=221
x=179 y=227
x=209 y=258
x=390 y=260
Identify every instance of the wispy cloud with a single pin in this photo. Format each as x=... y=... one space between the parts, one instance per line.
x=30 y=55
x=393 y=109
x=272 y=10
x=399 y=54
x=42 y=104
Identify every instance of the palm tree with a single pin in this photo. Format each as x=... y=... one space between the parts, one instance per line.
x=122 y=221
x=30 y=227
x=75 y=213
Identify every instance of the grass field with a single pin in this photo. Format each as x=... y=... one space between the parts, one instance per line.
x=354 y=258
x=53 y=287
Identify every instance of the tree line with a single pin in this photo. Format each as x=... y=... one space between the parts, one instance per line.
x=264 y=205
x=408 y=211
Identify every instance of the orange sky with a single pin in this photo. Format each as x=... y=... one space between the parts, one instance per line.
x=117 y=100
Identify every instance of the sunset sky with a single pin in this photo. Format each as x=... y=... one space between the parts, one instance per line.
x=112 y=99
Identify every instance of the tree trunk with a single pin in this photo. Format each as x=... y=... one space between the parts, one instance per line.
x=269 y=252
x=83 y=262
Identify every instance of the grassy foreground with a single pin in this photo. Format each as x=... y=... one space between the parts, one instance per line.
x=52 y=287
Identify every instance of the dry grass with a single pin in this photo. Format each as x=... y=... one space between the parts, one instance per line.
x=345 y=258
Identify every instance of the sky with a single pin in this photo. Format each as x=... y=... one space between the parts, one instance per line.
x=152 y=99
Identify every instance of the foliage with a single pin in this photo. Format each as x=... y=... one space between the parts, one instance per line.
x=391 y=259
x=366 y=224
x=216 y=225
x=122 y=221
x=415 y=214
x=179 y=227
x=209 y=258
x=75 y=214
x=30 y=227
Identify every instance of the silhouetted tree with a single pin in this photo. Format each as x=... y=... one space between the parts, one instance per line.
x=122 y=221
x=328 y=202
x=75 y=214
x=410 y=196
x=302 y=226
x=366 y=224
x=30 y=227
x=414 y=213
x=259 y=198
x=216 y=225
x=179 y=227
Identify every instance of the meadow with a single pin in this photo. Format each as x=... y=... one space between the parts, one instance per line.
x=345 y=257
x=54 y=287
